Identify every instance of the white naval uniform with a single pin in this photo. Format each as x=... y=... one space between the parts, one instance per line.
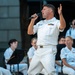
x=47 y=33
x=69 y=55
x=4 y=71
x=22 y=66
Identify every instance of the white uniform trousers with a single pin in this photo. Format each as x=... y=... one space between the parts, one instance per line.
x=44 y=58
x=44 y=72
x=22 y=68
x=69 y=71
x=4 y=71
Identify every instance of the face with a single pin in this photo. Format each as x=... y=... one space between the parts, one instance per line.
x=73 y=23
x=34 y=43
x=62 y=41
x=68 y=42
x=46 y=12
x=14 y=45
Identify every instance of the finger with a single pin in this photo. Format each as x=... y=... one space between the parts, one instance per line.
x=61 y=6
x=34 y=15
x=58 y=8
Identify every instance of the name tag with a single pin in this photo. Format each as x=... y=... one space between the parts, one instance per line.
x=51 y=24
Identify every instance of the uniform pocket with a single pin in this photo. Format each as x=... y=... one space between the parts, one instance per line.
x=54 y=50
x=50 y=30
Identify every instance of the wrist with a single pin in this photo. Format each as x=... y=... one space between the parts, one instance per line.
x=60 y=14
x=72 y=67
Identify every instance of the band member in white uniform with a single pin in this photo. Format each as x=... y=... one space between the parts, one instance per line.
x=47 y=36
x=68 y=57
x=9 y=51
x=32 y=49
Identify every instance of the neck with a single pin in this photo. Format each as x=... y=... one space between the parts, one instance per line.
x=12 y=48
x=73 y=27
x=69 y=47
x=50 y=17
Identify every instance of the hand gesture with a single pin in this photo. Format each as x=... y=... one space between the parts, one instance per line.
x=60 y=10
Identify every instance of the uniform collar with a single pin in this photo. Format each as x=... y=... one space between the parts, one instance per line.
x=50 y=20
x=10 y=49
x=72 y=50
x=33 y=48
x=69 y=49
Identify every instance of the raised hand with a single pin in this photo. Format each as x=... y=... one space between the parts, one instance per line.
x=60 y=10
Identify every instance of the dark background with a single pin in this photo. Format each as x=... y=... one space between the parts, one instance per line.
x=27 y=8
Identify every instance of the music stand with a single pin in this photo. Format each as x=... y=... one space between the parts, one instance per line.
x=16 y=58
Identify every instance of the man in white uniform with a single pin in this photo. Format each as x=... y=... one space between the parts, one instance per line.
x=9 y=51
x=4 y=71
x=47 y=36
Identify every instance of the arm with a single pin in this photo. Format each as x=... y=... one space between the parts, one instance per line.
x=62 y=20
x=66 y=64
x=30 y=27
x=58 y=63
x=6 y=56
x=30 y=60
x=30 y=54
x=64 y=58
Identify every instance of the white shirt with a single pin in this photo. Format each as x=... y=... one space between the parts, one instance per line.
x=31 y=52
x=71 y=32
x=69 y=55
x=47 y=31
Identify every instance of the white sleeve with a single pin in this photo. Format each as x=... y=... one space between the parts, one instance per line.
x=6 y=55
x=30 y=53
x=35 y=28
x=58 y=25
x=63 y=53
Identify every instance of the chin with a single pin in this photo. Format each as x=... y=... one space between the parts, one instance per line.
x=44 y=17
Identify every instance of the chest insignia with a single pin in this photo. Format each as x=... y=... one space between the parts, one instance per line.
x=51 y=24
